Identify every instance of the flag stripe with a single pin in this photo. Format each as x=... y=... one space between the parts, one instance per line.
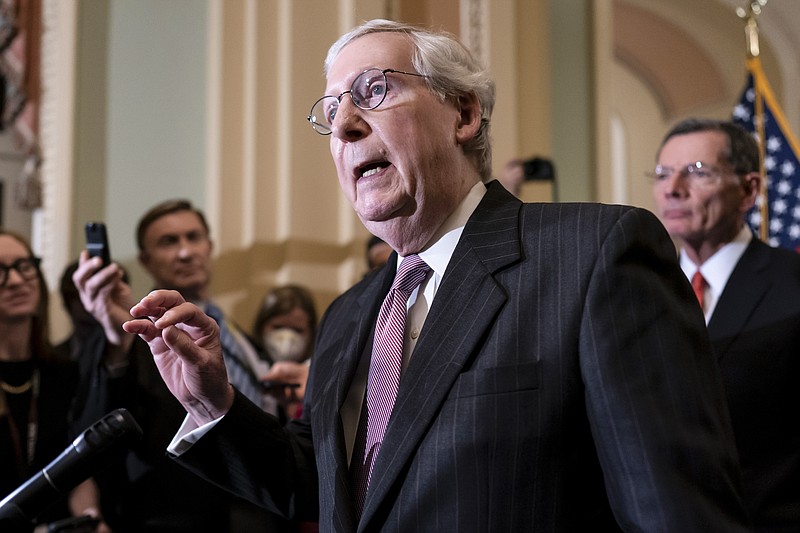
x=765 y=91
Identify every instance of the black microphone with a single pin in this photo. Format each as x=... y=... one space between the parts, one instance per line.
x=87 y=454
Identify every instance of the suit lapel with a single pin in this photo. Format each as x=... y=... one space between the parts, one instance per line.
x=744 y=289
x=465 y=306
x=360 y=329
x=346 y=355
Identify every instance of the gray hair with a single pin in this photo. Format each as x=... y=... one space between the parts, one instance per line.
x=451 y=70
x=741 y=151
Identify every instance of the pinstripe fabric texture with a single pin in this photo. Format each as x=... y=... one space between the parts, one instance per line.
x=384 y=370
x=235 y=360
x=563 y=382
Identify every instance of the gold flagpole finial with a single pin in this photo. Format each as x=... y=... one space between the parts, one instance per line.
x=750 y=14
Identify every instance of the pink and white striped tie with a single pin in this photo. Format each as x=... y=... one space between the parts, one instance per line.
x=384 y=369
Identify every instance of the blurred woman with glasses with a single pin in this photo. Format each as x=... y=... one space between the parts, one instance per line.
x=36 y=389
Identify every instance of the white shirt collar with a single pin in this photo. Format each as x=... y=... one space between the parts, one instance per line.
x=718 y=268
x=443 y=243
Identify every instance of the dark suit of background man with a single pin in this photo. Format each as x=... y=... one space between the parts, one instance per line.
x=707 y=179
x=148 y=492
x=562 y=380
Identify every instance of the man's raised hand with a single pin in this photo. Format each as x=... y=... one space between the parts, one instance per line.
x=187 y=351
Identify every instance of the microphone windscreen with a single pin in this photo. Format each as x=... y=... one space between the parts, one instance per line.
x=80 y=460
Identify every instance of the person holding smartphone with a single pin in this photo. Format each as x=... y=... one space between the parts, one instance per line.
x=151 y=492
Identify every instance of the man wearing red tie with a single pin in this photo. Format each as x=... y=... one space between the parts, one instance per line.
x=706 y=180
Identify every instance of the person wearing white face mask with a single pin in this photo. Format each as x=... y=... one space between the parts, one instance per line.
x=286 y=344
x=286 y=323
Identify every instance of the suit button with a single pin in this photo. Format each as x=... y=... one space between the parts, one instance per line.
x=414 y=333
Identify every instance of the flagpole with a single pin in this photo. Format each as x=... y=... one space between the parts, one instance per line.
x=753 y=63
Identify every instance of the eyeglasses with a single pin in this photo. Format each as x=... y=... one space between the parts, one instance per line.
x=27 y=267
x=698 y=174
x=367 y=92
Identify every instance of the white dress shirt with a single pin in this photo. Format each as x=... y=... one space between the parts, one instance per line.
x=717 y=269
x=437 y=255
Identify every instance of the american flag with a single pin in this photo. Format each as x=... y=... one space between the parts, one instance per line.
x=781 y=166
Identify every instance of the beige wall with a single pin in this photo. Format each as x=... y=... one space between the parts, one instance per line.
x=232 y=80
x=247 y=156
x=681 y=59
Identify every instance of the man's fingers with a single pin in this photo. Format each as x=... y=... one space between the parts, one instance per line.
x=155 y=304
x=186 y=313
x=182 y=344
x=184 y=328
x=288 y=371
x=91 y=278
x=168 y=308
x=143 y=327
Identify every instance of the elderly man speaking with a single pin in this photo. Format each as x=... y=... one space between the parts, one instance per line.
x=513 y=367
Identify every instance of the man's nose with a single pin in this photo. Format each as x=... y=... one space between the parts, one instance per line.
x=349 y=124
x=185 y=248
x=676 y=184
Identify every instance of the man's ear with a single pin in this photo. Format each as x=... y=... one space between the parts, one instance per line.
x=144 y=258
x=751 y=185
x=469 y=119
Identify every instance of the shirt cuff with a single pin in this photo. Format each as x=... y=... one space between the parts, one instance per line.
x=188 y=434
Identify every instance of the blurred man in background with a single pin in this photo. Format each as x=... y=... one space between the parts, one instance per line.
x=706 y=180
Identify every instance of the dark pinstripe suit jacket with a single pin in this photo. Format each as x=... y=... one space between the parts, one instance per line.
x=562 y=382
x=755 y=332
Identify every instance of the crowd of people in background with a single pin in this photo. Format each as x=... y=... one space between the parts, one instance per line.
x=724 y=406
x=49 y=394
x=41 y=408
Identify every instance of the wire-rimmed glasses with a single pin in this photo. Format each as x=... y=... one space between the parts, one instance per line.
x=27 y=267
x=367 y=92
x=697 y=174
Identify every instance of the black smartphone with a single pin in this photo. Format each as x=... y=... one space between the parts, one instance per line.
x=97 y=241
